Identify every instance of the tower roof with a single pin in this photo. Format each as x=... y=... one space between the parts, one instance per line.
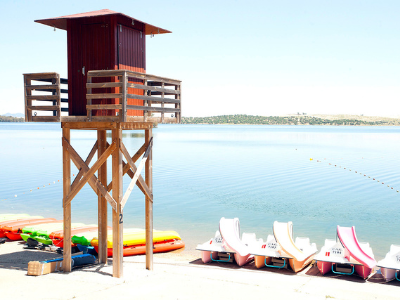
x=61 y=22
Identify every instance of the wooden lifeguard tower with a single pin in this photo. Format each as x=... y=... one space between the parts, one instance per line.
x=108 y=90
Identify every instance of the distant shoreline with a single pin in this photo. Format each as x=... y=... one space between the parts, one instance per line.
x=329 y=120
x=11 y=119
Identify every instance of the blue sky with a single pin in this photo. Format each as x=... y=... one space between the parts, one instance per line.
x=252 y=57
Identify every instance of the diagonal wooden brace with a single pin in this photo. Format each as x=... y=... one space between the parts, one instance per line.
x=87 y=162
x=140 y=181
x=93 y=181
x=137 y=172
x=126 y=169
x=88 y=175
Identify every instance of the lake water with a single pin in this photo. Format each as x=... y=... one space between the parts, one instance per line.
x=204 y=172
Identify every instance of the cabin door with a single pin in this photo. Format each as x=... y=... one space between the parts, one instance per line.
x=94 y=54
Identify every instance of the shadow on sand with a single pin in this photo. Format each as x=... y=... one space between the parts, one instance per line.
x=311 y=270
x=250 y=266
x=19 y=260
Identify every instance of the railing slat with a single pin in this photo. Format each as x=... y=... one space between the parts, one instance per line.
x=42 y=87
x=152 y=108
x=151 y=88
x=112 y=73
x=44 y=119
x=103 y=106
x=103 y=96
x=103 y=85
x=43 y=107
x=149 y=98
x=42 y=97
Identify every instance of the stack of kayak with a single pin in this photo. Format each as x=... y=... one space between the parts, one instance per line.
x=49 y=231
x=12 y=229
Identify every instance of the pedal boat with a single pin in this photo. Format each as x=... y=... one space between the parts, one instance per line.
x=300 y=251
x=268 y=254
x=214 y=250
x=390 y=265
x=346 y=255
x=227 y=244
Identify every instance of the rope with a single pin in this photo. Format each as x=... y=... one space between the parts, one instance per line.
x=33 y=189
x=356 y=172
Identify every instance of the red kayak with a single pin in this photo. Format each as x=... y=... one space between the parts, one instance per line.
x=58 y=236
x=13 y=229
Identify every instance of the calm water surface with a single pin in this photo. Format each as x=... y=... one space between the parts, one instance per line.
x=203 y=172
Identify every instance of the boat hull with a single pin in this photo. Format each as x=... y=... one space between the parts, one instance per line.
x=298 y=265
x=206 y=256
x=388 y=274
x=363 y=271
x=324 y=266
x=242 y=260
x=260 y=261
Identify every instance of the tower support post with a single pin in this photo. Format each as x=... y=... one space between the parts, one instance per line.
x=149 y=202
x=117 y=193
x=102 y=202
x=66 y=208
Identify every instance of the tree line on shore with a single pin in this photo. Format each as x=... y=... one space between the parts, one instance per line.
x=271 y=120
x=284 y=120
x=11 y=119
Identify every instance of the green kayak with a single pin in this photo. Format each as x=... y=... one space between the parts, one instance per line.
x=84 y=238
x=31 y=231
x=41 y=232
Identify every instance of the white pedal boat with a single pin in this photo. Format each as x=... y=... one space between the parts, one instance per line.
x=390 y=265
x=280 y=250
x=227 y=244
x=346 y=256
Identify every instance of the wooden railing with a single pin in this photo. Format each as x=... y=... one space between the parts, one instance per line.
x=39 y=90
x=160 y=96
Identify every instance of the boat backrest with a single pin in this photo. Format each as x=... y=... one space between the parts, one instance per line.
x=367 y=249
x=338 y=250
x=272 y=244
x=329 y=243
x=394 y=249
x=302 y=243
x=248 y=238
x=217 y=238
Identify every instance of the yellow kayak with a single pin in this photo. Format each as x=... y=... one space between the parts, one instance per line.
x=138 y=237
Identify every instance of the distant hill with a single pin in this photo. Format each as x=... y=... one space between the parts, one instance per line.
x=294 y=120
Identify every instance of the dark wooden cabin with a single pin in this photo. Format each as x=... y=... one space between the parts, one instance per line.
x=107 y=40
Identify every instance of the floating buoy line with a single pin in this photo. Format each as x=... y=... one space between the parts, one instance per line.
x=365 y=175
x=41 y=187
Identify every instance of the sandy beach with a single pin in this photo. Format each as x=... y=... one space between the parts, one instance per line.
x=178 y=275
